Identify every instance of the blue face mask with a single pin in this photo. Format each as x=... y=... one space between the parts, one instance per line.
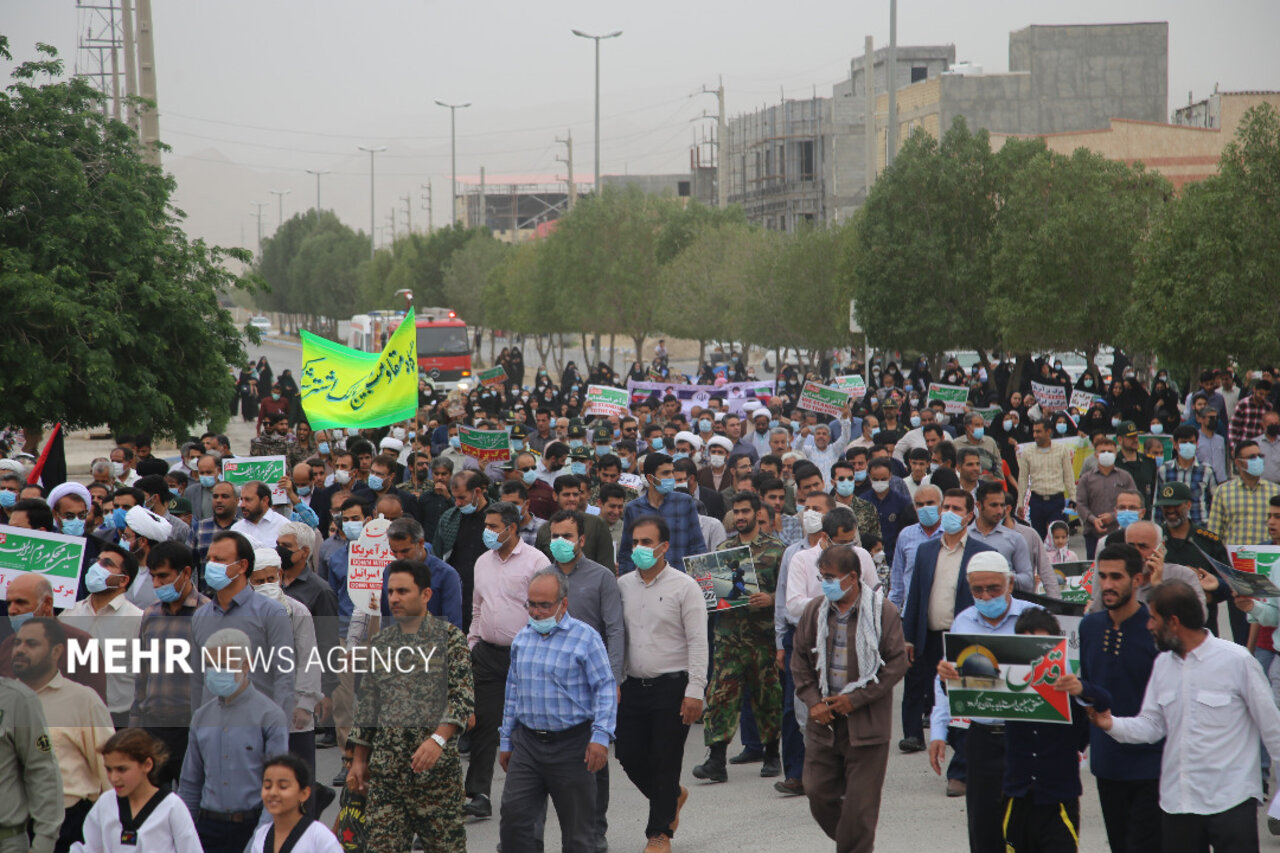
x=859 y=476
x=1157 y=428
x=175 y=492
x=679 y=454
x=875 y=431
x=666 y=485
x=352 y=529
x=215 y=575
x=73 y=527
x=1187 y=449
x=833 y=590
x=467 y=509
x=491 y=540
x=1007 y=424
x=95 y=580
x=773 y=424
x=208 y=481
x=626 y=463
x=643 y=557
x=455 y=442
x=845 y=487
x=117 y=517
x=376 y=483
x=8 y=498
x=542 y=626
x=979 y=432
x=704 y=425
x=562 y=550
x=992 y=608
x=579 y=468
x=603 y=449
x=1125 y=517
x=1255 y=466
x=952 y=522
x=915 y=421
x=1061 y=427
x=656 y=444
x=220 y=682
x=517 y=445
x=167 y=593
x=575 y=442
x=530 y=477
x=927 y=515
x=17 y=620
x=303 y=491
x=323 y=447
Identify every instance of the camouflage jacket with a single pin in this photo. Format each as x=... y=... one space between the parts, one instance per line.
x=278 y=445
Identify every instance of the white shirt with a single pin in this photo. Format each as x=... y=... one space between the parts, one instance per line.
x=666 y=623
x=316 y=839
x=118 y=619
x=142 y=592
x=306 y=679
x=1210 y=707
x=264 y=532
x=168 y=829
x=713 y=533
x=802 y=578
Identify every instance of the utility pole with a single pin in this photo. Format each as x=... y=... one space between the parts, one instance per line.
x=453 y=153
x=426 y=199
x=280 y=194
x=373 y=226
x=722 y=130
x=258 y=213
x=392 y=217
x=130 y=62
x=483 y=203
x=317 y=173
x=567 y=142
x=408 y=211
x=147 y=81
x=869 y=93
x=891 y=78
x=596 y=39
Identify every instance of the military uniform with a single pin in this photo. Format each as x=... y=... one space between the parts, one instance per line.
x=30 y=783
x=270 y=444
x=1142 y=469
x=1191 y=552
x=744 y=655
x=395 y=712
x=864 y=512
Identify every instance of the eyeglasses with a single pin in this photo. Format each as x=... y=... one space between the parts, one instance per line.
x=528 y=468
x=541 y=606
x=845 y=479
x=825 y=578
x=67 y=516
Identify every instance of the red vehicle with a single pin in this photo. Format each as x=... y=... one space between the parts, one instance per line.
x=444 y=349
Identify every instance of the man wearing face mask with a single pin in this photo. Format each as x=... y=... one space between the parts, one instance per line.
x=926 y=502
x=107 y=615
x=235 y=605
x=122 y=472
x=143 y=531
x=72 y=507
x=975 y=436
x=1096 y=495
x=849 y=655
x=1239 y=512
x=596 y=543
x=936 y=592
x=207 y=473
x=661 y=498
x=498 y=613
x=1211 y=448
x=232 y=736
x=894 y=510
x=1141 y=467
x=158 y=496
x=1269 y=443
x=1184 y=468
x=715 y=475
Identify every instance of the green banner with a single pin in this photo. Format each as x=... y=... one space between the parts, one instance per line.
x=989 y=414
x=603 y=400
x=1008 y=677
x=53 y=555
x=493 y=377
x=343 y=387
x=264 y=469
x=1075 y=581
x=823 y=399
x=954 y=396
x=852 y=383
x=486 y=445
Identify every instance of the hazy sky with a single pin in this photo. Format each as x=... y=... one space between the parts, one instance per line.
x=254 y=93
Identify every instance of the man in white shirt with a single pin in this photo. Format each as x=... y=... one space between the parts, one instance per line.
x=1210 y=703
x=107 y=615
x=259 y=522
x=838 y=528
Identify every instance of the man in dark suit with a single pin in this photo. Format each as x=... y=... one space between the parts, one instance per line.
x=344 y=479
x=938 y=592
x=711 y=501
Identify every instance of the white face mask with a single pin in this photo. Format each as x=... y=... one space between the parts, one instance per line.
x=341 y=477
x=1106 y=459
x=717 y=460
x=811 y=521
x=271 y=590
x=880 y=486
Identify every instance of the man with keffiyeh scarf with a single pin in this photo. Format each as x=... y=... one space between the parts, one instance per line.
x=849 y=653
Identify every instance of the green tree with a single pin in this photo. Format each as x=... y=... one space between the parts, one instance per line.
x=418 y=262
x=1063 y=269
x=112 y=315
x=1207 y=287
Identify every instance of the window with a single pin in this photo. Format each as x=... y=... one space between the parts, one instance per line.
x=682 y=188
x=918 y=73
x=442 y=340
x=806 y=160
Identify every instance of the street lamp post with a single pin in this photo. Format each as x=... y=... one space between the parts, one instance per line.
x=453 y=153
x=280 y=194
x=373 y=229
x=596 y=39
x=317 y=173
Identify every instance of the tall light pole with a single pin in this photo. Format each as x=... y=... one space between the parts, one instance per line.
x=373 y=229
x=453 y=153
x=596 y=39
x=317 y=173
x=280 y=194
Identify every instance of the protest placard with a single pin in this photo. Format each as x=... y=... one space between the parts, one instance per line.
x=853 y=383
x=485 y=445
x=1251 y=570
x=989 y=414
x=494 y=377
x=604 y=400
x=731 y=396
x=823 y=399
x=1008 y=677
x=954 y=396
x=1080 y=400
x=268 y=470
x=1075 y=581
x=366 y=558
x=57 y=557
x=1050 y=398
x=728 y=577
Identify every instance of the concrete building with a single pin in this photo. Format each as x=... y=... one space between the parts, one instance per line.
x=1061 y=78
x=1184 y=151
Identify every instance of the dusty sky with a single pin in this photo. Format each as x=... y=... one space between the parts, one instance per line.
x=254 y=93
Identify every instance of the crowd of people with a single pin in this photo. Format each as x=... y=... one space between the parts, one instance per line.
x=540 y=614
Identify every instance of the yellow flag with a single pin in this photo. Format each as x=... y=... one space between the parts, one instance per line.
x=345 y=388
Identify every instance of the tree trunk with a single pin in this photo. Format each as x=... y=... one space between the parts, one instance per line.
x=638 y=340
x=542 y=348
x=586 y=356
x=612 y=349
x=702 y=353
x=596 y=342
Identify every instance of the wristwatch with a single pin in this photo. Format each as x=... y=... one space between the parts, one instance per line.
x=441 y=741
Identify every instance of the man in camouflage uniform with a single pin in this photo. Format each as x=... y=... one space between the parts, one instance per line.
x=277 y=441
x=744 y=652
x=406 y=723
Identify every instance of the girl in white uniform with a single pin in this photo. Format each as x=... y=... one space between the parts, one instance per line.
x=138 y=816
x=286 y=787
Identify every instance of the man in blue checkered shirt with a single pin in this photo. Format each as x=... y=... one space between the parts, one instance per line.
x=558 y=719
x=676 y=508
x=1185 y=468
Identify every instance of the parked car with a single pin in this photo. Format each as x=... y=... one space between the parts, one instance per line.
x=262 y=323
